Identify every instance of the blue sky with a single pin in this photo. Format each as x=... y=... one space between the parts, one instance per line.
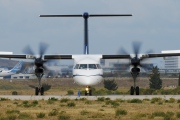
x=156 y=23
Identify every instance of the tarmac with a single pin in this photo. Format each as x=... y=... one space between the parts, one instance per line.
x=112 y=97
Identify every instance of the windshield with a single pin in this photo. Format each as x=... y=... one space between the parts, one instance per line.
x=85 y=66
x=92 y=66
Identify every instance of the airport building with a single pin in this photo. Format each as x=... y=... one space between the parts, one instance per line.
x=23 y=76
x=172 y=62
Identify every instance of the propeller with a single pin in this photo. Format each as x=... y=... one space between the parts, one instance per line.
x=38 y=61
x=135 y=60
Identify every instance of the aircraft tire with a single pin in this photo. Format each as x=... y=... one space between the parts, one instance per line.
x=36 y=91
x=137 y=90
x=90 y=93
x=42 y=91
x=85 y=93
x=132 y=90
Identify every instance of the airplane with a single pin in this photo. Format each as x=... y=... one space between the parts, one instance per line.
x=13 y=71
x=87 y=70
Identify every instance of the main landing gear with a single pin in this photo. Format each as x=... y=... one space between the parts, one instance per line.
x=134 y=89
x=88 y=91
x=39 y=89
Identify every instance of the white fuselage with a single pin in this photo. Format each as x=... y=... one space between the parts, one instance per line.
x=5 y=73
x=87 y=70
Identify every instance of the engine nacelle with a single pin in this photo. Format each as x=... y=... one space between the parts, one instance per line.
x=39 y=70
x=135 y=70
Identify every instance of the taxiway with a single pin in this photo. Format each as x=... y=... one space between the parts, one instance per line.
x=112 y=97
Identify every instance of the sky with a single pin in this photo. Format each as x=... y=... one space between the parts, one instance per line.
x=155 y=23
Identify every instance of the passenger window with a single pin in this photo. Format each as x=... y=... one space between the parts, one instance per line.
x=92 y=66
x=83 y=66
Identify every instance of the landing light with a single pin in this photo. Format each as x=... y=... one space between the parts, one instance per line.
x=87 y=89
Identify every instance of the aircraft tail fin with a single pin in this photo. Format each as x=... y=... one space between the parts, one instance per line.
x=17 y=67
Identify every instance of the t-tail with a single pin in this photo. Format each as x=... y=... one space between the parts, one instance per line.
x=86 y=16
x=17 y=67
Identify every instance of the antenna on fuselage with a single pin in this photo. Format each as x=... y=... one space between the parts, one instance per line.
x=86 y=16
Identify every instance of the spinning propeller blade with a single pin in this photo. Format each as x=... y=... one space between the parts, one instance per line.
x=38 y=61
x=136 y=60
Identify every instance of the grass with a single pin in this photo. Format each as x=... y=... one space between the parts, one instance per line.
x=54 y=112
x=63 y=117
x=135 y=101
x=12 y=112
x=84 y=112
x=71 y=104
x=178 y=115
x=79 y=109
x=64 y=86
x=64 y=100
x=40 y=115
x=25 y=116
x=120 y=112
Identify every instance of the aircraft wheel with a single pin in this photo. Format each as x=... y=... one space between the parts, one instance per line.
x=85 y=93
x=36 y=91
x=42 y=91
x=137 y=90
x=132 y=90
x=90 y=93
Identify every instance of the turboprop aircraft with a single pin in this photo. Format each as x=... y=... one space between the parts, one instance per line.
x=87 y=70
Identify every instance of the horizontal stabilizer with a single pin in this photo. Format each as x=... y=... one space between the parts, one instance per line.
x=89 y=15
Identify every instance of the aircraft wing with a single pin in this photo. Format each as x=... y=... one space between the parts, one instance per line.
x=160 y=55
x=103 y=56
x=31 y=56
x=142 y=57
x=17 y=56
x=70 y=56
x=116 y=56
x=58 y=57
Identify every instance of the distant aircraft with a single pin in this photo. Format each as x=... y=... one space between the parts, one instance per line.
x=87 y=70
x=16 y=68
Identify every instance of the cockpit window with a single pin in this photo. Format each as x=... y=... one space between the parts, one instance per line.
x=77 y=66
x=80 y=66
x=92 y=66
x=83 y=66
